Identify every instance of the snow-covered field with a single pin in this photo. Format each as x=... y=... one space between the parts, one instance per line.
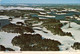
x=75 y=30
x=6 y=38
x=66 y=41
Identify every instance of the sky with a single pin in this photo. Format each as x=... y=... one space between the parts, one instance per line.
x=42 y=1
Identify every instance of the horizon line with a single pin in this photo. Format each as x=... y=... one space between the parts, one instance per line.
x=40 y=3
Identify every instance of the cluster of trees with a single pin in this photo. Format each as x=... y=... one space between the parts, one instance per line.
x=60 y=32
x=29 y=42
x=55 y=27
x=76 y=46
x=2 y=48
x=12 y=28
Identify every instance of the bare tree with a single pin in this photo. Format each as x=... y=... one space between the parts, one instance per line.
x=69 y=19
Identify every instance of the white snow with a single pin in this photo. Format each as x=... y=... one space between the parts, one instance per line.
x=60 y=13
x=6 y=38
x=49 y=16
x=48 y=12
x=15 y=20
x=3 y=17
x=37 y=24
x=72 y=10
x=42 y=13
x=78 y=18
x=64 y=21
x=1 y=7
x=19 y=8
x=75 y=30
x=66 y=41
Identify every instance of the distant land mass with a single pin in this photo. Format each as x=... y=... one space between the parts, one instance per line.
x=35 y=4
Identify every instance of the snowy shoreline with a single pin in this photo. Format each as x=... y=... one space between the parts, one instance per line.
x=6 y=38
x=66 y=41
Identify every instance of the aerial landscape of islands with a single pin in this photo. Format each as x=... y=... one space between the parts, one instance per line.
x=40 y=27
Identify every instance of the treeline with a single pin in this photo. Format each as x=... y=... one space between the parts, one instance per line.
x=17 y=13
x=12 y=28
